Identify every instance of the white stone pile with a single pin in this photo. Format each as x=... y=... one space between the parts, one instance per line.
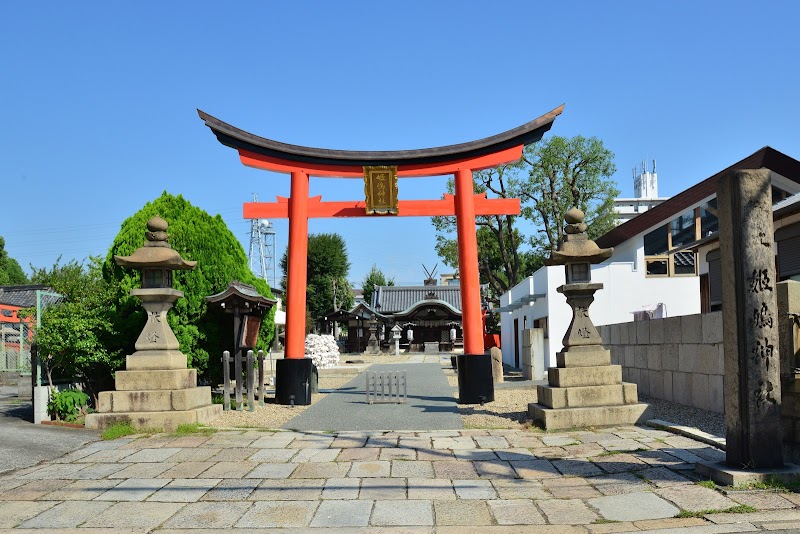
x=322 y=350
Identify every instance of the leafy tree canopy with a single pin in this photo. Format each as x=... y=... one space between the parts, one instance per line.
x=197 y=236
x=373 y=278
x=11 y=273
x=327 y=285
x=561 y=173
x=76 y=333
x=551 y=177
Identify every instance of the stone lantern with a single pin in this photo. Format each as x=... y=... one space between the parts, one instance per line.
x=396 y=331
x=373 y=345
x=156 y=390
x=584 y=389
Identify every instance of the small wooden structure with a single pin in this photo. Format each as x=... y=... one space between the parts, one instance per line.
x=249 y=380
x=386 y=387
x=248 y=306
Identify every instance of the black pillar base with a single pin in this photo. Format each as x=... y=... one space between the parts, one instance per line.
x=475 y=382
x=293 y=381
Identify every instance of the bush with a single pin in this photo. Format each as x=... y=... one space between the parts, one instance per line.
x=67 y=405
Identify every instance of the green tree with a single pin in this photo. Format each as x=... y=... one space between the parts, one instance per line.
x=197 y=236
x=374 y=277
x=552 y=176
x=502 y=260
x=564 y=172
x=327 y=266
x=76 y=333
x=10 y=272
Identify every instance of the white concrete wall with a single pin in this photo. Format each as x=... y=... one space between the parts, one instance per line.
x=625 y=290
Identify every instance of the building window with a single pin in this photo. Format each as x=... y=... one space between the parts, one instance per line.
x=657 y=266
x=708 y=219
x=663 y=256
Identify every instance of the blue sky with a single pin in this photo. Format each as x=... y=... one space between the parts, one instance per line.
x=98 y=101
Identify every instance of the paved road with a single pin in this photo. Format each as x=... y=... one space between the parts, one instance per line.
x=635 y=479
x=23 y=444
x=430 y=406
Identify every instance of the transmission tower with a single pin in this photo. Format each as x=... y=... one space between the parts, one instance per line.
x=262 y=249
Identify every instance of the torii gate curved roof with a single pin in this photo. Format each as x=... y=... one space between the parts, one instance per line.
x=253 y=146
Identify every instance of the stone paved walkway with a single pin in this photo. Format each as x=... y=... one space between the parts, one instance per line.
x=430 y=404
x=505 y=481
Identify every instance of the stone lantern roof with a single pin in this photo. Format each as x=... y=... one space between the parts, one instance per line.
x=156 y=252
x=577 y=247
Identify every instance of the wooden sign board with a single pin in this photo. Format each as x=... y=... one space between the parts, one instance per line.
x=250 y=326
x=380 y=190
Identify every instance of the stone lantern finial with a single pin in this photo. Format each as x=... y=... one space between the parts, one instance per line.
x=156 y=233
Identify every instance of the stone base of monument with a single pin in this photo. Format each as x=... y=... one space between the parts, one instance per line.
x=586 y=390
x=727 y=475
x=475 y=383
x=154 y=398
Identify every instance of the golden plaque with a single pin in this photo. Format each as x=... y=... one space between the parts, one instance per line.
x=380 y=189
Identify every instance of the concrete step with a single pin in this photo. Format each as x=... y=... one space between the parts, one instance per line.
x=168 y=421
x=580 y=397
x=156 y=379
x=603 y=375
x=560 y=419
x=589 y=358
x=154 y=400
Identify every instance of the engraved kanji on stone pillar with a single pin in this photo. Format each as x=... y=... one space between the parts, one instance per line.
x=750 y=311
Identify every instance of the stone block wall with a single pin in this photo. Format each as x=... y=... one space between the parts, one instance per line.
x=679 y=359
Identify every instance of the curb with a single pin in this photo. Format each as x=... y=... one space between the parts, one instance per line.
x=689 y=432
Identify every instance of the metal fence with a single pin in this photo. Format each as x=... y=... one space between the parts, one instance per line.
x=15 y=347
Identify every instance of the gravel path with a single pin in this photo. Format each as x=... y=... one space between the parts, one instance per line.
x=711 y=422
x=509 y=410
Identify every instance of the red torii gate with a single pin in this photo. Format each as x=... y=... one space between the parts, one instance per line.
x=474 y=369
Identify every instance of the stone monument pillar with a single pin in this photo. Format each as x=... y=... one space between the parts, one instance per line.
x=750 y=323
x=156 y=390
x=584 y=389
x=750 y=320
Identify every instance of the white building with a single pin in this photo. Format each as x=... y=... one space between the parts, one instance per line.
x=645 y=194
x=655 y=270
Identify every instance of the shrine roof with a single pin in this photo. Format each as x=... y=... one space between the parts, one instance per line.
x=394 y=299
x=526 y=134
x=23 y=296
x=242 y=292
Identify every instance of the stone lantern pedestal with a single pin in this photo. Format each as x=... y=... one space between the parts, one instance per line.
x=157 y=390
x=584 y=389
